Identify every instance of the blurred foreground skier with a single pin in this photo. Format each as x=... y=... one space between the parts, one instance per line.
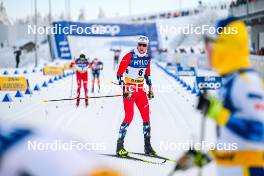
x=239 y=110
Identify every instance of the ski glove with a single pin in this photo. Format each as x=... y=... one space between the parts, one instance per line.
x=150 y=94
x=200 y=158
x=127 y=94
x=214 y=109
x=192 y=158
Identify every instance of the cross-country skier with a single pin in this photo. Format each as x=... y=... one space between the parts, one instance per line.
x=81 y=65
x=135 y=66
x=96 y=66
x=239 y=112
x=22 y=154
x=117 y=53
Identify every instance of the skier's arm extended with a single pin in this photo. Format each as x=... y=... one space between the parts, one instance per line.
x=73 y=63
x=121 y=69
x=123 y=64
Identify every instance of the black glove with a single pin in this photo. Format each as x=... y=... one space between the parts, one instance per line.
x=127 y=94
x=150 y=94
x=203 y=103
x=192 y=158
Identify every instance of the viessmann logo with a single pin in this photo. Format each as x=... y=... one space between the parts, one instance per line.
x=105 y=29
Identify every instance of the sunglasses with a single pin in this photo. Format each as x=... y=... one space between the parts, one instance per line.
x=142 y=44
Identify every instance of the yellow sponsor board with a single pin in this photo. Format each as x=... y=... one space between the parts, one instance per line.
x=53 y=70
x=12 y=83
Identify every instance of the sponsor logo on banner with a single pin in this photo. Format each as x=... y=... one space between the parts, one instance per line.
x=170 y=66
x=105 y=29
x=12 y=83
x=185 y=71
x=52 y=70
x=209 y=83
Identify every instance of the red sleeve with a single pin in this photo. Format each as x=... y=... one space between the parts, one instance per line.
x=147 y=72
x=124 y=64
x=73 y=63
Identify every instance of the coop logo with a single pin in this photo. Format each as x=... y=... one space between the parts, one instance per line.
x=209 y=83
x=185 y=71
x=105 y=29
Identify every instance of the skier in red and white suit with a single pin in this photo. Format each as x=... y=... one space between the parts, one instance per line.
x=81 y=65
x=136 y=66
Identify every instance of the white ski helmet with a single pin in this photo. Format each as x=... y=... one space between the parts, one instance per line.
x=143 y=39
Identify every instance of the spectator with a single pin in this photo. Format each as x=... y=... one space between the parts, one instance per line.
x=262 y=51
x=182 y=50
x=192 y=50
x=17 y=55
x=240 y=2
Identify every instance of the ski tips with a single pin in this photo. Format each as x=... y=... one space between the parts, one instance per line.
x=44 y=101
x=112 y=82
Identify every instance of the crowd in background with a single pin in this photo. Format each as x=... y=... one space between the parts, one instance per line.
x=177 y=13
x=237 y=3
x=191 y=50
x=260 y=52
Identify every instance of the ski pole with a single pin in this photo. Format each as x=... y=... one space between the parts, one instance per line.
x=69 y=99
x=115 y=83
x=203 y=107
x=72 y=82
x=202 y=132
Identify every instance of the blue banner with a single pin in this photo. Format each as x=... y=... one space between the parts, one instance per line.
x=185 y=71
x=63 y=29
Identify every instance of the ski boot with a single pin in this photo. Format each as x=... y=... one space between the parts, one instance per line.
x=120 y=150
x=99 y=88
x=77 y=102
x=86 y=101
x=148 y=148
